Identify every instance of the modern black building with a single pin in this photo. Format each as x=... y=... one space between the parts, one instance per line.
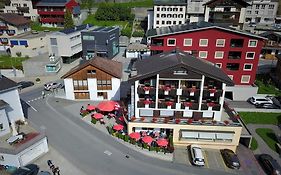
x=101 y=41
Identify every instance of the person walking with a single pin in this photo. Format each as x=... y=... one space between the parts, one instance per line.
x=43 y=94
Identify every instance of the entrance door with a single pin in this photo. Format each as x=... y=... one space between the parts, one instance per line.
x=105 y=95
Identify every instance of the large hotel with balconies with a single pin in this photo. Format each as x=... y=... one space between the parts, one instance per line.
x=183 y=96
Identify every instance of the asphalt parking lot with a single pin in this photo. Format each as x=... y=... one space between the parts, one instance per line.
x=214 y=160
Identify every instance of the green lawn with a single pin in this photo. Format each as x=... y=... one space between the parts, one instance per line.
x=91 y=20
x=7 y=62
x=268 y=136
x=267 y=88
x=254 y=144
x=261 y=117
x=133 y=3
x=38 y=27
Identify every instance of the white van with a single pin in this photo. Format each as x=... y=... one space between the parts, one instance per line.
x=259 y=100
x=197 y=155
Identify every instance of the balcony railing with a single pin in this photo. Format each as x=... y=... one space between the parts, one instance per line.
x=146 y=90
x=51 y=12
x=167 y=105
x=50 y=20
x=146 y=103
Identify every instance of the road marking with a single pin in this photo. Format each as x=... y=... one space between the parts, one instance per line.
x=32 y=107
x=107 y=152
x=206 y=157
x=225 y=167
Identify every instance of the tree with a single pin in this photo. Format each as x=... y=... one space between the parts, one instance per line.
x=68 y=21
x=88 y=4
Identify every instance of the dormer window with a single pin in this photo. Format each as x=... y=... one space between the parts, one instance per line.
x=180 y=72
x=91 y=72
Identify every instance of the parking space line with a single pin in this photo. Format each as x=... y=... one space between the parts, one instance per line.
x=206 y=157
x=224 y=165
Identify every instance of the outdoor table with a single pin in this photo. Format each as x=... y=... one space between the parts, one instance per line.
x=14 y=139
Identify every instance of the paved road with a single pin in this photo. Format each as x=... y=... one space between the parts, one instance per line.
x=263 y=148
x=94 y=152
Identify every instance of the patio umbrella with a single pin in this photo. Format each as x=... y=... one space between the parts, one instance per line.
x=147 y=139
x=162 y=142
x=118 y=127
x=107 y=106
x=91 y=107
x=97 y=116
x=135 y=135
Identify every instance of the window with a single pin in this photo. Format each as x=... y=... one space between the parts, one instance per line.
x=23 y=43
x=157 y=22
x=247 y=67
x=88 y=37
x=220 y=42
x=256 y=12
x=257 y=6
x=232 y=66
x=187 y=42
x=252 y=43
x=163 y=15
x=180 y=15
x=158 y=15
x=80 y=84
x=158 y=8
x=219 y=54
x=236 y=42
x=175 y=9
x=219 y=65
x=180 y=72
x=91 y=72
x=169 y=9
x=249 y=12
x=163 y=22
x=171 y=42
x=203 y=54
x=174 y=22
x=163 y=9
x=181 y=9
x=103 y=83
x=53 y=41
x=203 y=42
x=271 y=6
x=14 y=42
x=245 y=78
x=250 y=55
x=234 y=55
x=180 y=22
x=262 y=6
x=169 y=22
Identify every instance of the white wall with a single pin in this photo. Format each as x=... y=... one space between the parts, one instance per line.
x=92 y=84
x=136 y=54
x=114 y=94
x=5 y=122
x=14 y=110
x=242 y=93
x=15 y=160
x=69 y=89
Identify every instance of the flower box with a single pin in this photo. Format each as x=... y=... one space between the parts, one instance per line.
x=187 y=104
x=169 y=103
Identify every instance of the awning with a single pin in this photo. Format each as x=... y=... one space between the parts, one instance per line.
x=225 y=136
x=186 y=134
x=162 y=142
x=118 y=127
x=107 y=106
x=97 y=116
x=147 y=139
x=135 y=135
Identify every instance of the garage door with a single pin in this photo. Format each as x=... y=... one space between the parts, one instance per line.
x=32 y=154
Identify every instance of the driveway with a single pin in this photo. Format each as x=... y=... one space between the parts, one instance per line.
x=244 y=106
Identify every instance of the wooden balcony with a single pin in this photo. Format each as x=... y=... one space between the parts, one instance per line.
x=142 y=90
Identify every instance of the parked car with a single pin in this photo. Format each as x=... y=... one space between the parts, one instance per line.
x=269 y=164
x=30 y=169
x=278 y=138
x=259 y=99
x=267 y=106
x=25 y=84
x=230 y=158
x=52 y=85
x=197 y=155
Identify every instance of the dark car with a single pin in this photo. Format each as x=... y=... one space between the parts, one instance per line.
x=269 y=164
x=230 y=158
x=267 y=106
x=30 y=169
x=25 y=84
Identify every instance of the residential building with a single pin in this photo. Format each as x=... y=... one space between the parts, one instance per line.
x=137 y=50
x=182 y=96
x=10 y=25
x=260 y=12
x=167 y=13
x=17 y=149
x=95 y=79
x=195 y=10
x=235 y=52
x=272 y=46
x=227 y=12
x=70 y=51
x=101 y=42
x=29 y=44
x=22 y=7
x=276 y=75
x=51 y=13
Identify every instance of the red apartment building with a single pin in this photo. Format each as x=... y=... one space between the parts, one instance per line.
x=235 y=52
x=51 y=12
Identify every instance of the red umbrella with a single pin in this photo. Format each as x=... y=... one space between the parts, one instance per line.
x=91 y=107
x=135 y=135
x=162 y=142
x=118 y=127
x=107 y=106
x=147 y=139
x=97 y=116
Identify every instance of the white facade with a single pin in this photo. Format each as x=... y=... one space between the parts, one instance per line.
x=4 y=122
x=113 y=94
x=261 y=11
x=195 y=10
x=167 y=15
x=242 y=93
x=25 y=156
x=137 y=54
x=24 y=4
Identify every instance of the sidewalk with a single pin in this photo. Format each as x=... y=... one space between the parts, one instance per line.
x=58 y=160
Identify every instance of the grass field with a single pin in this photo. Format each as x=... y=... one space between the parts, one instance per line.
x=132 y=4
x=254 y=144
x=38 y=27
x=7 y=62
x=268 y=136
x=261 y=117
x=91 y=20
x=267 y=88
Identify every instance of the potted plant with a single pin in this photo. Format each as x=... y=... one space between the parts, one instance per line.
x=37 y=80
x=190 y=121
x=133 y=118
x=166 y=120
x=226 y=122
x=178 y=120
x=142 y=119
x=154 y=119
x=214 y=122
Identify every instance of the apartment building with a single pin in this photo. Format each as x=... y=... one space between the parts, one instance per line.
x=228 y=12
x=96 y=79
x=51 y=13
x=11 y=24
x=235 y=52
x=167 y=13
x=101 y=42
x=22 y=7
x=183 y=96
x=67 y=43
x=195 y=10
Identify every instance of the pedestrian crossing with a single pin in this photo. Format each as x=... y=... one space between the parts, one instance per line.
x=38 y=98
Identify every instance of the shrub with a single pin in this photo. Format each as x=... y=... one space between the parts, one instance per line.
x=37 y=79
x=157 y=149
x=138 y=34
x=18 y=54
x=94 y=121
x=126 y=138
x=126 y=32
